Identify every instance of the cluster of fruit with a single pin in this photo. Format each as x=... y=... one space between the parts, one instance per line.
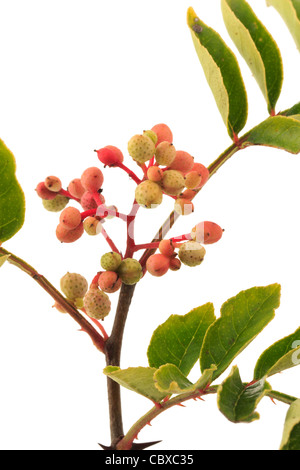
x=169 y=171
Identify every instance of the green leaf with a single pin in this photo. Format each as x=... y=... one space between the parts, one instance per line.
x=12 y=201
x=222 y=72
x=291 y=431
x=237 y=401
x=256 y=46
x=242 y=318
x=282 y=355
x=290 y=12
x=136 y=379
x=179 y=340
x=3 y=258
x=279 y=131
x=171 y=380
x=292 y=111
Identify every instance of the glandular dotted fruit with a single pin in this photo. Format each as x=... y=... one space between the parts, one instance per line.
x=191 y=253
x=96 y=304
x=148 y=194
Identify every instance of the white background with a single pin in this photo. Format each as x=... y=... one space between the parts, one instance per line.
x=76 y=76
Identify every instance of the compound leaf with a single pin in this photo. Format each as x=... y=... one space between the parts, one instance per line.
x=290 y=12
x=242 y=318
x=222 y=72
x=12 y=201
x=256 y=46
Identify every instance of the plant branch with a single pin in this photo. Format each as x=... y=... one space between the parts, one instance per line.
x=86 y=326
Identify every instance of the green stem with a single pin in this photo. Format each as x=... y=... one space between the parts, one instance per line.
x=288 y=399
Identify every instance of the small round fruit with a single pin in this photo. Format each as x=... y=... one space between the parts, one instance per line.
x=207 y=233
x=166 y=247
x=203 y=171
x=57 y=204
x=69 y=236
x=141 y=148
x=183 y=161
x=192 y=179
x=109 y=282
x=183 y=206
x=44 y=193
x=88 y=202
x=188 y=194
x=74 y=286
x=76 y=189
x=173 y=182
x=158 y=265
x=53 y=183
x=70 y=218
x=110 y=155
x=165 y=153
x=163 y=133
x=154 y=173
x=191 y=253
x=92 y=226
x=96 y=304
x=111 y=261
x=151 y=135
x=175 y=264
x=92 y=179
x=148 y=194
x=130 y=271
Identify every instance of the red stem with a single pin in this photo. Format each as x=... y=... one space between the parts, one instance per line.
x=65 y=193
x=109 y=241
x=129 y=172
x=130 y=248
x=154 y=245
x=88 y=213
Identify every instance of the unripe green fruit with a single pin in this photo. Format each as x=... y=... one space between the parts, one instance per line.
x=96 y=304
x=191 y=253
x=192 y=179
x=173 y=182
x=165 y=153
x=148 y=194
x=111 y=261
x=92 y=226
x=109 y=282
x=158 y=265
x=74 y=286
x=141 y=148
x=57 y=204
x=130 y=271
x=183 y=206
x=151 y=134
x=53 y=183
x=70 y=218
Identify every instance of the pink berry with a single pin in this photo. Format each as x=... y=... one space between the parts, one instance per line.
x=53 y=184
x=109 y=282
x=69 y=236
x=92 y=179
x=88 y=202
x=163 y=133
x=76 y=189
x=70 y=218
x=110 y=155
x=183 y=162
x=166 y=248
x=183 y=206
x=188 y=194
x=44 y=192
x=155 y=174
x=207 y=233
x=158 y=265
x=203 y=171
x=175 y=264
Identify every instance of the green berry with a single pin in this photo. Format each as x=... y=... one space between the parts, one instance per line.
x=130 y=271
x=97 y=304
x=152 y=135
x=92 y=226
x=74 y=286
x=191 y=253
x=141 y=148
x=173 y=182
x=148 y=194
x=111 y=261
x=165 y=153
x=57 y=204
